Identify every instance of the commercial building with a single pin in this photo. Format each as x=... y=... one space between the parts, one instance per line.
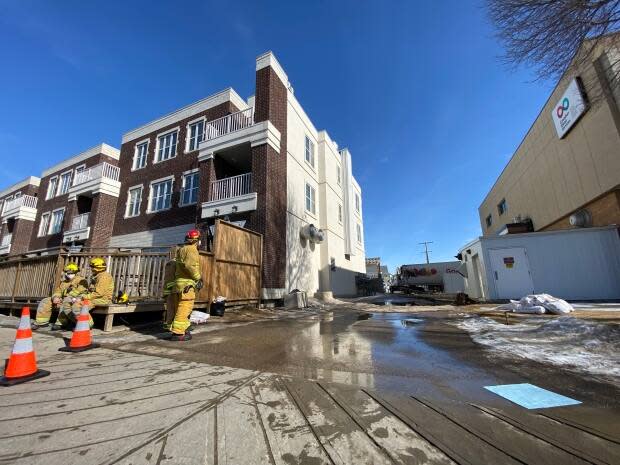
x=18 y=210
x=566 y=171
x=260 y=163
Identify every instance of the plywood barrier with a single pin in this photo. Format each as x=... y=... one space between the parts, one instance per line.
x=232 y=270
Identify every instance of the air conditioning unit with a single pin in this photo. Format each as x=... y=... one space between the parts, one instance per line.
x=313 y=234
x=580 y=219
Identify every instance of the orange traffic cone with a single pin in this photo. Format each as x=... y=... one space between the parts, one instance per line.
x=22 y=364
x=81 y=339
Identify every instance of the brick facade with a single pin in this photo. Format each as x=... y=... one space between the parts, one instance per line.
x=605 y=210
x=101 y=220
x=61 y=201
x=21 y=229
x=183 y=161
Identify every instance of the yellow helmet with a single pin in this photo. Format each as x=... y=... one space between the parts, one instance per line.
x=71 y=268
x=98 y=264
x=122 y=297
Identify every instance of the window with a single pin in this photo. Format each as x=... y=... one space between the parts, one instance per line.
x=189 y=189
x=489 y=221
x=196 y=135
x=167 y=146
x=134 y=201
x=338 y=178
x=357 y=203
x=309 y=152
x=502 y=207
x=51 y=188
x=44 y=224
x=139 y=156
x=310 y=198
x=358 y=229
x=78 y=171
x=339 y=213
x=161 y=194
x=56 y=223
x=65 y=183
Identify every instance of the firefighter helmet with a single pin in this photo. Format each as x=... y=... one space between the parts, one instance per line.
x=71 y=268
x=192 y=236
x=98 y=264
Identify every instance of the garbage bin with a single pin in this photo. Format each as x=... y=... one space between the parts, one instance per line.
x=217 y=308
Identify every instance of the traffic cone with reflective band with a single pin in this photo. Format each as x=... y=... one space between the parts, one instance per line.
x=81 y=339
x=22 y=364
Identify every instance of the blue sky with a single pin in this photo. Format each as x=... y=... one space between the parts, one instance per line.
x=415 y=89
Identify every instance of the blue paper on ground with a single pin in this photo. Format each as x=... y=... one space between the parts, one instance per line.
x=530 y=396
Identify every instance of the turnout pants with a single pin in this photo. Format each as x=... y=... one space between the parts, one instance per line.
x=46 y=307
x=170 y=306
x=184 y=307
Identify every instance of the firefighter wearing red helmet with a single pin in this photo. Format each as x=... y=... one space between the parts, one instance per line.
x=187 y=281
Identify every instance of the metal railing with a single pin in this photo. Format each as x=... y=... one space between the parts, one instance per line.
x=80 y=222
x=22 y=201
x=102 y=170
x=231 y=187
x=229 y=123
x=6 y=240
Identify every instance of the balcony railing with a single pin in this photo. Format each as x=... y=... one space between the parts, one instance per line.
x=102 y=170
x=228 y=188
x=23 y=201
x=6 y=240
x=229 y=123
x=80 y=222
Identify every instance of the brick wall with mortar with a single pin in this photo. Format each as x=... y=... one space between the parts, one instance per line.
x=48 y=205
x=183 y=161
x=102 y=220
x=605 y=210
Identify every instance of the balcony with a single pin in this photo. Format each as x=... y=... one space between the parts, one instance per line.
x=102 y=178
x=21 y=208
x=229 y=196
x=235 y=129
x=5 y=244
x=79 y=230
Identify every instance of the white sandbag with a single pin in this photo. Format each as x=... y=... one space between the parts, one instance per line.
x=533 y=309
x=198 y=318
x=551 y=304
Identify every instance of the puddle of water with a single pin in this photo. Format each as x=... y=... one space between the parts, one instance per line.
x=411 y=322
x=388 y=302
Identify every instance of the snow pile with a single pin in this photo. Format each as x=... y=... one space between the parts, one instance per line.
x=538 y=304
x=585 y=346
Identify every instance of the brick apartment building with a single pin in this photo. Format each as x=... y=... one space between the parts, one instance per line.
x=260 y=163
x=18 y=209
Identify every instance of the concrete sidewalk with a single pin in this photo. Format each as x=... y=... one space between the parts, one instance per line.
x=112 y=407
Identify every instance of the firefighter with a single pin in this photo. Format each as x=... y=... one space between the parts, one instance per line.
x=169 y=296
x=100 y=289
x=187 y=281
x=71 y=286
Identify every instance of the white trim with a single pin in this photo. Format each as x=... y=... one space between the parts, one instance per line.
x=49 y=184
x=49 y=213
x=146 y=141
x=49 y=229
x=193 y=170
x=312 y=198
x=188 y=133
x=269 y=59
x=58 y=193
x=157 y=181
x=183 y=176
x=257 y=134
x=176 y=146
x=31 y=180
x=226 y=95
x=129 y=189
x=104 y=149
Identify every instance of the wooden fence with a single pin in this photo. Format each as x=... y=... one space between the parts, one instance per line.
x=232 y=270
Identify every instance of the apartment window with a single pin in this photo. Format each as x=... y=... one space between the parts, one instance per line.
x=358 y=229
x=489 y=221
x=309 y=152
x=167 y=146
x=139 y=157
x=134 y=201
x=189 y=189
x=339 y=213
x=310 y=199
x=196 y=135
x=44 y=224
x=56 y=222
x=502 y=207
x=161 y=195
x=65 y=183
x=338 y=174
x=357 y=203
x=51 y=188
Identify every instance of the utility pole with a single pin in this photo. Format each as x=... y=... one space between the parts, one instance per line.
x=426 y=251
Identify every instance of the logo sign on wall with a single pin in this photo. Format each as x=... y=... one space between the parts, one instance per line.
x=571 y=106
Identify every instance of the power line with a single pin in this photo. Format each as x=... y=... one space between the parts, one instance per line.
x=426 y=251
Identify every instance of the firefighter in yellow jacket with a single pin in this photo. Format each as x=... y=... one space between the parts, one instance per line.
x=100 y=289
x=187 y=281
x=62 y=299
